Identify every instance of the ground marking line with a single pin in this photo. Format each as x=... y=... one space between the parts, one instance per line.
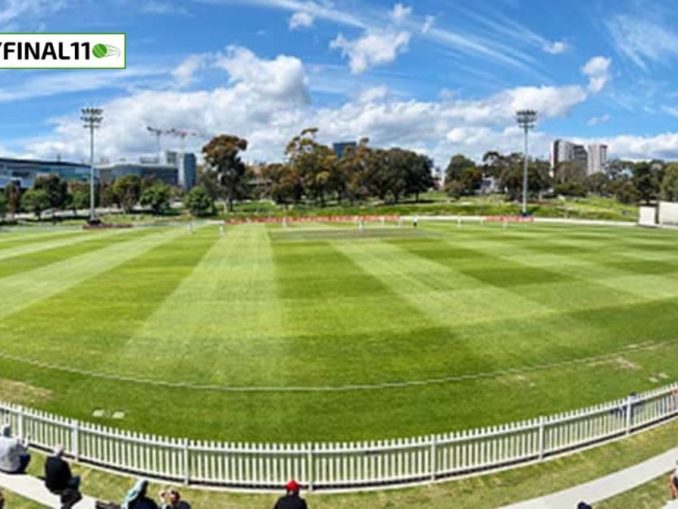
x=648 y=345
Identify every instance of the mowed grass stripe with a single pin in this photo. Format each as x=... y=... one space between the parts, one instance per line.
x=448 y=296
x=22 y=263
x=228 y=310
x=27 y=288
x=345 y=326
x=107 y=308
x=9 y=238
x=51 y=243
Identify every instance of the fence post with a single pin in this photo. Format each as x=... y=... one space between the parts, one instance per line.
x=629 y=409
x=434 y=457
x=75 y=439
x=310 y=466
x=542 y=436
x=20 y=423
x=186 y=462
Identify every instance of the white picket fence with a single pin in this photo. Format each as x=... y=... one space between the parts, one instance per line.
x=342 y=466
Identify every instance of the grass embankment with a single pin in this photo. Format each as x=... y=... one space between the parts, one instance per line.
x=483 y=492
x=437 y=204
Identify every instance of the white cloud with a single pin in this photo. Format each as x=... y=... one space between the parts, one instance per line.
x=603 y=119
x=375 y=47
x=163 y=8
x=322 y=9
x=597 y=70
x=400 y=13
x=185 y=72
x=266 y=101
x=660 y=146
x=373 y=94
x=301 y=19
x=556 y=47
x=643 y=40
x=282 y=78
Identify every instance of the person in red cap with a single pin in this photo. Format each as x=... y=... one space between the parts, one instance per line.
x=291 y=500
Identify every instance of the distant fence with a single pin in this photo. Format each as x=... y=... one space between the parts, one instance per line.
x=313 y=219
x=348 y=465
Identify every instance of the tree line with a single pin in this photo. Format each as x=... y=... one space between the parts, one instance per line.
x=312 y=172
x=630 y=182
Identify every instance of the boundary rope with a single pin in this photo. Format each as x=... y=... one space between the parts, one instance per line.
x=648 y=345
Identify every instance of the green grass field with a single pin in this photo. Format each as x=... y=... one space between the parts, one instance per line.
x=318 y=333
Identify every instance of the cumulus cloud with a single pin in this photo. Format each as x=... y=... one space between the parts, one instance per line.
x=375 y=47
x=301 y=19
x=598 y=71
x=556 y=47
x=267 y=102
x=282 y=78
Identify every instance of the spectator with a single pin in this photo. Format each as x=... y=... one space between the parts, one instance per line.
x=136 y=497
x=583 y=505
x=171 y=499
x=58 y=476
x=291 y=500
x=14 y=457
x=673 y=482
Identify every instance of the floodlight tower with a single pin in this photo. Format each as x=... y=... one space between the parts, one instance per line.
x=92 y=118
x=527 y=120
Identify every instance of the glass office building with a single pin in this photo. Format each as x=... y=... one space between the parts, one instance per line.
x=23 y=172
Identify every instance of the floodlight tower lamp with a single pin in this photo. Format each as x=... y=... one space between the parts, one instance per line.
x=91 y=118
x=527 y=120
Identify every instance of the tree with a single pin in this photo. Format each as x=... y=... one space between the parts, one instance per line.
x=538 y=179
x=419 y=174
x=353 y=166
x=598 y=183
x=316 y=164
x=78 y=196
x=56 y=189
x=3 y=206
x=222 y=154
x=157 y=197
x=669 y=187
x=457 y=165
x=13 y=197
x=127 y=191
x=627 y=193
x=569 y=172
x=646 y=179
x=35 y=201
x=386 y=174
x=283 y=183
x=199 y=202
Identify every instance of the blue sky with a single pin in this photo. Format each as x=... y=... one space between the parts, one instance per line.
x=441 y=76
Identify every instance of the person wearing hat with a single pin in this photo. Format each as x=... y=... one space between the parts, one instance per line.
x=291 y=500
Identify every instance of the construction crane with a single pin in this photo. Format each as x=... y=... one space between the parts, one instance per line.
x=157 y=133
x=182 y=134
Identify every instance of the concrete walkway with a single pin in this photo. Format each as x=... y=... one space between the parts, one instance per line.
x=608 y=486
x=33 y=489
